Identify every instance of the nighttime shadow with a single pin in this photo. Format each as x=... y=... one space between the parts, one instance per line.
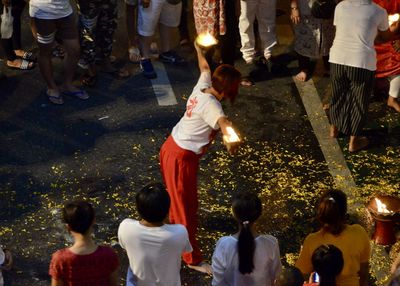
x=383 y=137
x=19 y=195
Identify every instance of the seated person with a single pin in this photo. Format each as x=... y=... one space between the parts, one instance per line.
x=154 y=248
x=247 y=257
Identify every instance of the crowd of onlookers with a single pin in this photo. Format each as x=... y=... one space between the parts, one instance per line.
x=337 y=254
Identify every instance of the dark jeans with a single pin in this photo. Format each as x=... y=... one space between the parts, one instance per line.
x=228 y=41
x=14 y=43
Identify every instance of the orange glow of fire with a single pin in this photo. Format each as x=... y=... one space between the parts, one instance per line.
x=393 y=18
x=232 y=136
x=206 y=40
x=382 y=208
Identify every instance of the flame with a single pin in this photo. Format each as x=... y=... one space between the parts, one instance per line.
x=206 y=40
x=393 y=18
x=382 y=208
x=232 y=136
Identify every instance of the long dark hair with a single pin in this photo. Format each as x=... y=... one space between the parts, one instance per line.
x=246 y=208
x=327 y=261
x=332 y=211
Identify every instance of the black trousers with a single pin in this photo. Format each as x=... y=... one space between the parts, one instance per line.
x=351 y=90
x=14 y=43
x=228 y=41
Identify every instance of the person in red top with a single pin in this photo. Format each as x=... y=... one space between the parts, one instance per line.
x=388 y=57
x=84 y=263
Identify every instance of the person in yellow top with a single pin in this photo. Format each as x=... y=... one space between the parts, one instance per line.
x=352 y=240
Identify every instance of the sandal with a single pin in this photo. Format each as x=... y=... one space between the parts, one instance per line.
x=134 y=55
x=24 y=65
x=246 y=82
x=29 y=56
x=58 y=52
x=55 y=99
x=89 y=80
x=79 y=93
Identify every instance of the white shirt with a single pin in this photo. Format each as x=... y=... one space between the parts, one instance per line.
x=203 y=110
x=357 y=23
x=225 y=263
x=154 y=252
x=49 y=9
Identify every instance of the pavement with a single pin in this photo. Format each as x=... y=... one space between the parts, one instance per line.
x=105 y=148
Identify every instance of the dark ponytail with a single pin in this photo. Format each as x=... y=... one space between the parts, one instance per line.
x=246 y=208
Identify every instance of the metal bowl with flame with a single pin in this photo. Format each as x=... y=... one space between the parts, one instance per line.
x=385 y=210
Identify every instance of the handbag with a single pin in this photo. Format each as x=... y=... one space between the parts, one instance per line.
x=7 y=19
x=323 y=9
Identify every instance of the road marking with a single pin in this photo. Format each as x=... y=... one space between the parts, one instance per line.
x=162 y=87
x=334 y=158
x=330 y=148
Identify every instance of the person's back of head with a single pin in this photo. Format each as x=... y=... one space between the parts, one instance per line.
x=246 y=209
x=153 y=203
x=226 y=79
x=79 y=216
x=290 y=276
x=327 y=261
x=332 y=211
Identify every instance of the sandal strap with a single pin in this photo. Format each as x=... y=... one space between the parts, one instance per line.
x=24 y=65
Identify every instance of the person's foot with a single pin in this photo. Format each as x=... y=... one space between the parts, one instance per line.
x=358 y=143
x=74 y=91
x=246 y=82
x=20 y=64
x=29 y=56
x=147 y=68
x=202 y=267
x=171 y=57
x=54 y=96
x=333 y=131
x=392 y=102
x=134 y=55
x=302 y=76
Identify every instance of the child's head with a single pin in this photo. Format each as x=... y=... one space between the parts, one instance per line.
x=327 y=261
x=225 y=80
x=332 y=211
x=153 y=202
x=79 y=216
x=246 y=209
x=290 y=276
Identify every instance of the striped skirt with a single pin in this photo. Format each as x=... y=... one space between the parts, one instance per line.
x=351 y=91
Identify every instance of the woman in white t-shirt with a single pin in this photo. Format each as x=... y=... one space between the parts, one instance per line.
x=353 y=65
x=247 y=257
x=180 y=154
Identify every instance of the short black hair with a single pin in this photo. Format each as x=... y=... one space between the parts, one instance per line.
x=327 y=261
x=78 y=215
x=290 y=276
x=153 y=202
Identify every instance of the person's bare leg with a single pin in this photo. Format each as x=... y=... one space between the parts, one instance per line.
x=131 y=24
x=46 y=68
x=392 y=102
x=145 y=43
x=70 y=62
x=357 y=143
x=169 y=37
x=333 y=131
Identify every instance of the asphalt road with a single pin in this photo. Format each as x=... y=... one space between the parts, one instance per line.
x=105 y=148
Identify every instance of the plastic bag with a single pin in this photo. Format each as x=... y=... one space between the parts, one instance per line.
x=6 y=23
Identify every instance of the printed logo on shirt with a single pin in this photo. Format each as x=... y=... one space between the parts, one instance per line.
x=192 y=104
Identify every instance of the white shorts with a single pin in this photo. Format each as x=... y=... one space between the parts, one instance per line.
x=159 y=11
x=131 y=2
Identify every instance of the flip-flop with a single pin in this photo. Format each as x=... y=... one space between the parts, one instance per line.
x=80 y=93
x=25 y=65
x=134 y=55
x=29 y=56
x=55 y=99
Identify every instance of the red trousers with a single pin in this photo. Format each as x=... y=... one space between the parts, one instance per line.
x=179 y=170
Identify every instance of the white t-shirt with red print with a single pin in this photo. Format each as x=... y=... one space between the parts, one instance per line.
x=195 y=129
